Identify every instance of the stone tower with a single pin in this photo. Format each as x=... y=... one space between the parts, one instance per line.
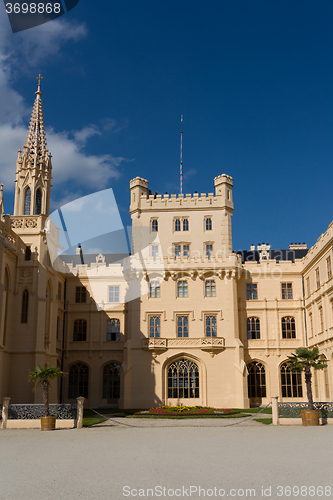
x=34 y=167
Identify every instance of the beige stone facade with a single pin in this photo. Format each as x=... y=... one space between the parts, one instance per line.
x=183 y=320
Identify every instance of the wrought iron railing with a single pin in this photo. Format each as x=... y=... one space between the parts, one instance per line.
x=35 y=411
x=293 y=410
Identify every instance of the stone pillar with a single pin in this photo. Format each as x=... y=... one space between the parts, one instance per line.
x=5 y=404
x=79 y=414
x=275 y=410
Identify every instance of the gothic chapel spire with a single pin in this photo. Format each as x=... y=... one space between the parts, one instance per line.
x=33 y=173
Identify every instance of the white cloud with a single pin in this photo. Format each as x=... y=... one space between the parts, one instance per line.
x=71 y=163
x=74 y=168
x=83 y=135
x=46 y=40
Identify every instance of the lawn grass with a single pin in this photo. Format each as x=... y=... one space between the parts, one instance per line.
x=266 y=421
x=88 y=422
x=109 y=411
x=267 y=411
x=89 y=415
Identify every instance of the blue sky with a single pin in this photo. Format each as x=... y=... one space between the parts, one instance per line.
x=253 y=80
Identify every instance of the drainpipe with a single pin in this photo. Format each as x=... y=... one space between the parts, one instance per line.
x=63 y=343
x=305 y=327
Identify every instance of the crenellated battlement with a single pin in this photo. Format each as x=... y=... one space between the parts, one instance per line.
x=320 y=244
x=178 y=202
x=142 y=199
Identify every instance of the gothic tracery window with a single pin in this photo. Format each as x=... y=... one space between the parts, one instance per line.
x=256 y=380
x=78 y=381
x=291 y=382
x=183 y=379
x=253 y=328
x=111 y=381
x=288 y=328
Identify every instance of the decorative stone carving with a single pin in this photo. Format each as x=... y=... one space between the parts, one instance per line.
x=25 y=275
x=17 y=223
x=31 y=223
x=155 y=344
x=181 y=342
x=100 y=259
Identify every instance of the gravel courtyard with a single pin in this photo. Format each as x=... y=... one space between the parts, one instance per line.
x=167 y=459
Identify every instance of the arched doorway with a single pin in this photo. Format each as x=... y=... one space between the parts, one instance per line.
x=78 y=381
x=291 y=382
x=183 y=383
x=111 y=383
x=256 y=382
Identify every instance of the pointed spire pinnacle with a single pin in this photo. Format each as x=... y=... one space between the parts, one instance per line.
x=2 y=209
x=34 y=166
x=35 y=144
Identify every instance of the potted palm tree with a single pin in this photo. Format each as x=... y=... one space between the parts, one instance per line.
x=303 y=360
x=41 y=377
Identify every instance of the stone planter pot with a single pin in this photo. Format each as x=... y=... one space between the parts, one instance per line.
x=310 y=417
x=48 y=423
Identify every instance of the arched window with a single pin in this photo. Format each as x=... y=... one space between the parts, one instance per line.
x=183 y=379
x=182 y=289
x=80 y=330
x=5 y=306
x=208 y=224
x=154 y=225
x=78 y=381
x=291 y=382
x=288 y=328
x=185 y=224
x=253 y=328
x=27 y=201
x=177 y=224
x=38 y=207
x=113 y=331
x=25 y=306
x=111 y=381
x=256 y=380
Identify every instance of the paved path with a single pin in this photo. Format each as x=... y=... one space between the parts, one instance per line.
x=180 y=422
x=98 y=463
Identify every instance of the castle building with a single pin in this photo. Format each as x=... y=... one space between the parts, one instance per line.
x=183 y=319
